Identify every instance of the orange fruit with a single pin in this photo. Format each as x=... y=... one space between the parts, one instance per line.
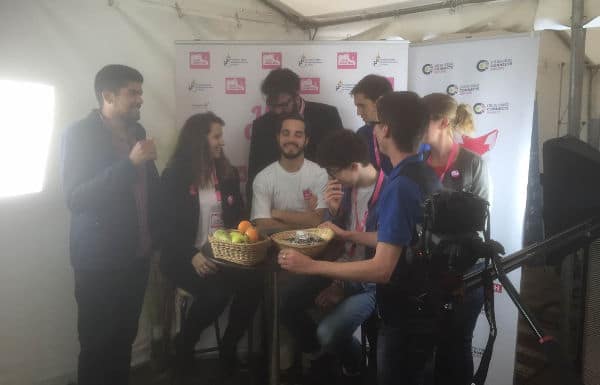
x=243 y=226
x=252 y=234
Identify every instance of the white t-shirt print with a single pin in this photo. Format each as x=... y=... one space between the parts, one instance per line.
x=276 y=188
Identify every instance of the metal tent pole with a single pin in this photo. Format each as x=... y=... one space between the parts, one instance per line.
x=577 y=67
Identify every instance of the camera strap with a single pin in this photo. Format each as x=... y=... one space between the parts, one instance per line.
x=490 y=314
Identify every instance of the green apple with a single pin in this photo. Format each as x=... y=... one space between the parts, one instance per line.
x=222 y=235
x=237 y=237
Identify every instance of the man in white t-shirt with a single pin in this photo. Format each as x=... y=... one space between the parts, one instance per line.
x=288 y=194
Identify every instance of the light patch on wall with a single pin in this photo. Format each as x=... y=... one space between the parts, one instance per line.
x=26 y=123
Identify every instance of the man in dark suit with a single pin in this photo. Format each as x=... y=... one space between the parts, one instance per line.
x=281 y=88
x=111 y=185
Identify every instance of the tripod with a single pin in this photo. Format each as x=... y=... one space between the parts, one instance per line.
x=564 y=242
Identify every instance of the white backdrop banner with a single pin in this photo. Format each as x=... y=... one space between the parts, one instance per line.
x=497 y=77
x=225 y=77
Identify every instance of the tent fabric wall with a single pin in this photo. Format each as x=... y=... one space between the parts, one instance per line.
x=63 y=44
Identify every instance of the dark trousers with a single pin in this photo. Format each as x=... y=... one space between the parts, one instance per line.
x=454 y=357
x=298 y=293
x=402 y=354
x=108 y=309
x=211 y=295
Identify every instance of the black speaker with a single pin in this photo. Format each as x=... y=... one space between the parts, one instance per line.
x=571 y=183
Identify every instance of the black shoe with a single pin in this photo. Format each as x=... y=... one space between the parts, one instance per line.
x=350 y=377
x=183 y=361
x=322 y=371
x=228 y=365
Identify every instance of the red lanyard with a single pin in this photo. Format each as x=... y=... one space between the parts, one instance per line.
x=376 y=150
x=216 y=185
x=451 y=159
x=360 y=225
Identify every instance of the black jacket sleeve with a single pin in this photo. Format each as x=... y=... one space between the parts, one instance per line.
x=255 y=144
x=177 y=224
x=253 y=160
x=335 y=119
x=232 y=204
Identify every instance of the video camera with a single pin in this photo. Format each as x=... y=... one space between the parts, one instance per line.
x=452 y=236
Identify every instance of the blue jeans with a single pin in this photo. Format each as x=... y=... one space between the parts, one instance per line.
x=336 y=331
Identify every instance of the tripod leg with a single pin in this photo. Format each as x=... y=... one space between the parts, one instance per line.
x=554 y=353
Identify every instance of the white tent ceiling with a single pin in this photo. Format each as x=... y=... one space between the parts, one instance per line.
x=413 y=20
x=375 y=19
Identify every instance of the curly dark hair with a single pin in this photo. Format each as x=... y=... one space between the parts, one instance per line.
x=280 y=81
x=341 y=148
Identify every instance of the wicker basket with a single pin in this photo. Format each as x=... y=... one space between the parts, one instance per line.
x=247 y=254
x=310 y=250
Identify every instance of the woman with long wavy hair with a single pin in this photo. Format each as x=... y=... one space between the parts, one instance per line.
x=201 y=191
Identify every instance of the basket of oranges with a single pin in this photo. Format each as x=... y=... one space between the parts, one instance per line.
x=244 y=245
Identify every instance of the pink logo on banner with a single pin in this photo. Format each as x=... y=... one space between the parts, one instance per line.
x=235 y=85
x=271 y=60
x=310 y=86
x=391 y=80
x=346 y=60
x=199 y=60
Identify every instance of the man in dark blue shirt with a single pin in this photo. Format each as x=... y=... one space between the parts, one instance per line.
x=365 y=94
x=408 y=332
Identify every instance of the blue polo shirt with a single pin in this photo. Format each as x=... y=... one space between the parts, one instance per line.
x=400 y=206
x=400 y=210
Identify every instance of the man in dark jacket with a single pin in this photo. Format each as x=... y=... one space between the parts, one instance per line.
x=281 y=88
x=111 y=185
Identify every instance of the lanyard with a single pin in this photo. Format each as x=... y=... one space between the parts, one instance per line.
x=376 y=150
x=451 y=159
x=361 y=225
x=216 y=184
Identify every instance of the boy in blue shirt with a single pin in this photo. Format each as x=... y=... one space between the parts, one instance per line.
x=409 y=323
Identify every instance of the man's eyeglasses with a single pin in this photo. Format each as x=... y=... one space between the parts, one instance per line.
x=280 y=105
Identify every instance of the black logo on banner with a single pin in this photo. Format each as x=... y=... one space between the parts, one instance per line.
x=479 y=108
x=439 y=68
x=493 y=65
x=462 y=89
x=491 y=108
x=483 y=65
